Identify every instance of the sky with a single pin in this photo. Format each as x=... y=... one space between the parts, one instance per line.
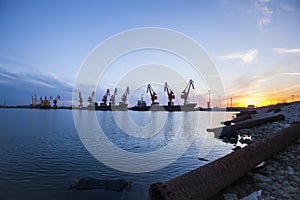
x=254 y=45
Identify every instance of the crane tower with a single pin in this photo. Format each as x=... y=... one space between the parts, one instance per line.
x=186 y=91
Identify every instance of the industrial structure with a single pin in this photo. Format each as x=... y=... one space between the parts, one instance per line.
x=142 y=106
x=45 y=103
x=170 y=93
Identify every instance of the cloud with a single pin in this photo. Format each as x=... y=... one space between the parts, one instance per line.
x=18 y=87
x=290 y=74
x=284 y=50
x=291 y=9
x=5 y=76
x=246 y=56
x=288 y=8
x=264 y=12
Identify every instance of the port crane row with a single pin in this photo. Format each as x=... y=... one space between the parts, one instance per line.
x=44 y=103
x=150 y=90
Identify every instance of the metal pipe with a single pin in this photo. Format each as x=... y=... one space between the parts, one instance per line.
x=207 y=180
x=236 y=120
x=246 y=112
x=230 y=131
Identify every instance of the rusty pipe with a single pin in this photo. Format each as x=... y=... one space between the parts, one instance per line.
x=207 y=180
x=246 y=112
x=229 y=131
x=237 y=119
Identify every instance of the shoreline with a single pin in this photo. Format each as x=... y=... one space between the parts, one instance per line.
x=277 y=177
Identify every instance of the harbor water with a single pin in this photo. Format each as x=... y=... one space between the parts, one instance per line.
x=41 y=151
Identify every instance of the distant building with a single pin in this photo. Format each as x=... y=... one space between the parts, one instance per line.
x=250 y=107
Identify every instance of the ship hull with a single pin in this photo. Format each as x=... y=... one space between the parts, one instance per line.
x=173 y=108
x=122 y=107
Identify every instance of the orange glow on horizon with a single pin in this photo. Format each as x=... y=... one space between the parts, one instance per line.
x=257 y=102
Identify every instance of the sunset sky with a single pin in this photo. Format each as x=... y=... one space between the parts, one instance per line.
x=254 y=44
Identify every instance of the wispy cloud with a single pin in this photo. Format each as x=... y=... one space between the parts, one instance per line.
x=246 y=56
x=264 y=12
x=34 y=81
x=289 y=8
x=290 y=74
x=6 y=76
x=285 y=51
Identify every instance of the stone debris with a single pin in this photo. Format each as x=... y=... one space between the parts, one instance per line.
x=253 y=196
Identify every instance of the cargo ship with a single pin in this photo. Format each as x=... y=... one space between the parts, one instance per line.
x=142 y=105
x=104 y=107
x=123 y=106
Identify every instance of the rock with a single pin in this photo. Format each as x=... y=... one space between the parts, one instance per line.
x=233 y=140
x=203 y=159
x=248 y=141
x=290 y=170
x=295 y=196
x=264 y=186
x=242 y=140
x=253 y=195
x=290 y=155
x=275 y=186
x=297 y=180
x=291 y=189
x=230 y=196
x=262 y=178
x=262 y=164
x=269 y=168
x=279 y=178
x=236 y=148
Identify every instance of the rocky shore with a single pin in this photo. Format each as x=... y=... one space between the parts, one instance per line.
x=279 y=176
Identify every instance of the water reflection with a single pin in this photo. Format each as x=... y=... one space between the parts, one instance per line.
x=40 y=156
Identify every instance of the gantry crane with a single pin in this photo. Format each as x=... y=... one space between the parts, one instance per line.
x=46 y=103
x=104 y=98
x=91 y=99
x=33 y=101
x=152 y=94
x=113 y=97
x=170 y=93
x=124 y=96
x=55 y=101
x=186 y=91
x=80 y=100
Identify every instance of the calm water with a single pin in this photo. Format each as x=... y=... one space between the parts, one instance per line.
x=41 y=151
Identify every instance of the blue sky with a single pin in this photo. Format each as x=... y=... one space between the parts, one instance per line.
x=254 y=44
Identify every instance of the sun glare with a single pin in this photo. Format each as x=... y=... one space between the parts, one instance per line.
x=257 y=102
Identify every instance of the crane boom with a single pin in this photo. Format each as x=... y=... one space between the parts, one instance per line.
x=55 y=100
x=186 y=91
x=170 y=93
x=124 y=96
x=152 y=94
x=33 y=101
x=80 y=100
x=104 y=98
x=113 y=97
x=91 y=98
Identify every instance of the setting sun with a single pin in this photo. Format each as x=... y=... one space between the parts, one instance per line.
x=257 y=102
